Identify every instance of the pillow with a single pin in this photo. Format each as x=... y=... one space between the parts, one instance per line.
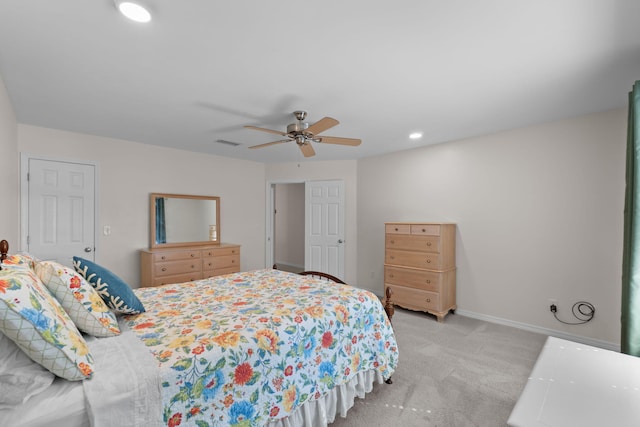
x=20 y=377
x=81 y=302
x=32 y=318
x=113 y=290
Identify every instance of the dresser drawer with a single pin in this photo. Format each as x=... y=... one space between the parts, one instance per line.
x=218 y=262
x=419 y=279
x=225 y=261
x=430 y=261
x=215 y=252
x=397 y=228
x=177 y=278
x=413 y=243
x=425 y=229
x=414 y=299
x=177 y=267
x=175 y=256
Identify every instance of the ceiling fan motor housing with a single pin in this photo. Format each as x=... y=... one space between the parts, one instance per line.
x=297 y=128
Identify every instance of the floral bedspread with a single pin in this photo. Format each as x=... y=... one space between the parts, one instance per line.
x=248 y=348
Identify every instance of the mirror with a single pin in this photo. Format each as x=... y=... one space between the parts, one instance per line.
x=183 y=220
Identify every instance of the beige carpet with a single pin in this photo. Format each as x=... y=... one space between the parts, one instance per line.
x=463 y=372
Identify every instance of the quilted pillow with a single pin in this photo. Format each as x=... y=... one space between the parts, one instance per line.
x=113 y=290
x=80 y=300
x=32 y=318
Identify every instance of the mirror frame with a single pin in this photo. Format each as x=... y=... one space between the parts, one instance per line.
x=152 y=222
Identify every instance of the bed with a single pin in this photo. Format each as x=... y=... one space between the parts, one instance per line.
x=258 y=348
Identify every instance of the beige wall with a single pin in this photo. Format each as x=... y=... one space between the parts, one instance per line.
x=9 y=171
x=129 y=171
x=345 y=170
x=539 y=214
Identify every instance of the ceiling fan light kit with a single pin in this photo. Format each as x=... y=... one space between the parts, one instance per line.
x=304 y=134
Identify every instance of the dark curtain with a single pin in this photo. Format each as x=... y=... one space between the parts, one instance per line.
x=630 y=336
x=161 y=229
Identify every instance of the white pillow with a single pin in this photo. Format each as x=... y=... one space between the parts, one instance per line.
x=20 y=377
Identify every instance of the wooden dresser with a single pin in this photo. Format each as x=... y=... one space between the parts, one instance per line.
x=185 y=264
x=420 y=266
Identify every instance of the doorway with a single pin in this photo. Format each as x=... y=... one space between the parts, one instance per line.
x=288 y=227
x=305 y=226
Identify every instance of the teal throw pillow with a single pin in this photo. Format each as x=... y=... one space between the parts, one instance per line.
x=115 y=292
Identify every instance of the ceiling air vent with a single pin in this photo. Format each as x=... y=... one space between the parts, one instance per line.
x=231 y=143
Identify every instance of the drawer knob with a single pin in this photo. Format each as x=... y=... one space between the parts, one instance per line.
x=163 y=257
x=164 y=269
x=428 y=261
x=428 y=243
x=193 y=266
x=428 y=281
x=393 y=242
x=192 y=255
x=233 y=261
x=392 y=257
x=396 y=228
x=428 y=299
x=210 y=264
x=391 y=275
x=233 y=251
x=424 y=230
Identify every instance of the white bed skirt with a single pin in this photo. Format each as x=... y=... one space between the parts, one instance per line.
x=321 y=412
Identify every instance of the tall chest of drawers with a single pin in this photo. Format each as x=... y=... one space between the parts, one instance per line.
x=420 y=266
x=185 y=264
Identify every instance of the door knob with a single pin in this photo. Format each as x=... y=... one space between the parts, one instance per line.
x=340 y=241
x=87 y=249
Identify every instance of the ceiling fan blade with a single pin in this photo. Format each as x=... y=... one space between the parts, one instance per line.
x=338 y=140
x=321 y=125
x=270 y=143
x=277 y=132
x=307 y=149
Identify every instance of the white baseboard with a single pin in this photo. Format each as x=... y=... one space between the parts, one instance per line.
x=532 y=328
x=544 y=331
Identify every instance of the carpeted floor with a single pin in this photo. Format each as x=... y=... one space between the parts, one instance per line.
x=463 y=372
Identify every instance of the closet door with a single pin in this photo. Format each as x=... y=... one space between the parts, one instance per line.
x=61 y=210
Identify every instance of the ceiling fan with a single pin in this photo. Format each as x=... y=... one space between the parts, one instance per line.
x=304 y=134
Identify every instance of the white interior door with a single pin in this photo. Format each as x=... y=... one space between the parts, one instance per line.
x=60 y=210
x=324 y=248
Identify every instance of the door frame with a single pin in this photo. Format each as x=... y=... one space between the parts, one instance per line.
x=270 y=219
x=24 y=195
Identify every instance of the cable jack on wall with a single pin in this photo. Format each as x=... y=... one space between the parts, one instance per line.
x=582 y=310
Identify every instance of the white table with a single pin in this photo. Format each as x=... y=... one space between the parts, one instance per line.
x=579 y=385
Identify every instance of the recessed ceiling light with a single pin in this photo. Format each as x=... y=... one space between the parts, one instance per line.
x=134 y=11
x=415 y=135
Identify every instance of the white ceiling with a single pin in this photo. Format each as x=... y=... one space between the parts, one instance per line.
x=202 y=69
